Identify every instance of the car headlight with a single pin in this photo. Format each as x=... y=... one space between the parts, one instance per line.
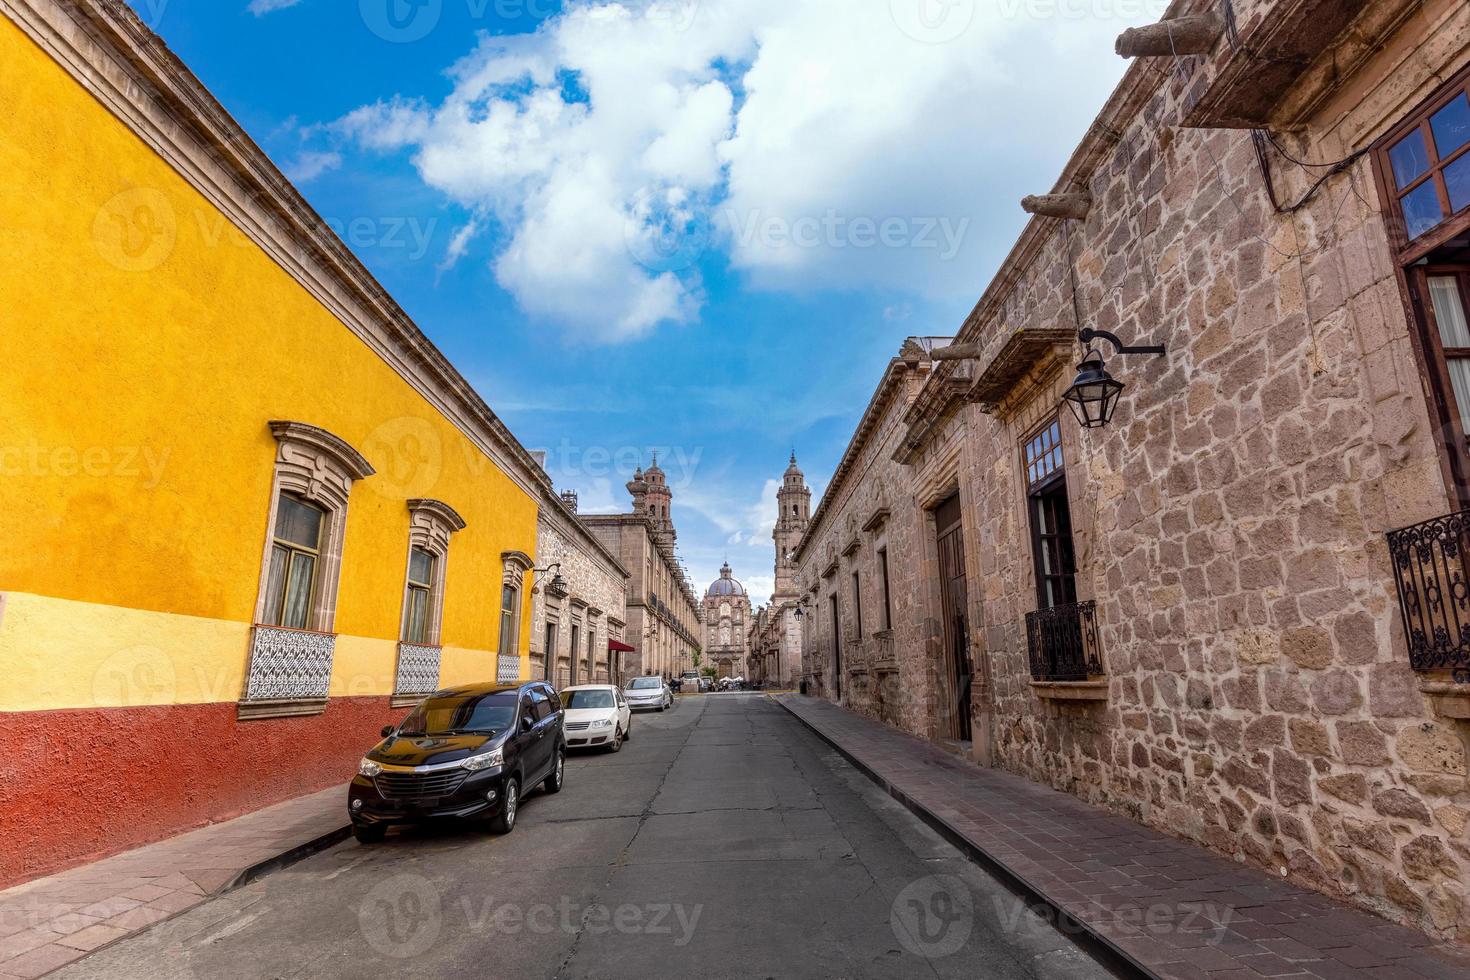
x=603 y=723
x=368 y=768
x=488 y=760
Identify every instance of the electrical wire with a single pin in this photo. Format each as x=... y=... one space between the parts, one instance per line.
x=1336 y=168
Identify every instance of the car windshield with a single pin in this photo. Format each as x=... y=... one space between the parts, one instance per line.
x=645 y=684
x=461 y=714
x=587 y=699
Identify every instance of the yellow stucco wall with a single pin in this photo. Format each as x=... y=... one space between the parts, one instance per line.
x=145 y=345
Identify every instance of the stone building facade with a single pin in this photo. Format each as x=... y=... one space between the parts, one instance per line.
x=867 y=638
x=578 y=619
x=726 y=625
x=663 y=614
x=1204 y=614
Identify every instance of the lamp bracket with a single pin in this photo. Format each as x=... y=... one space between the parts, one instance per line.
x=1087 y=335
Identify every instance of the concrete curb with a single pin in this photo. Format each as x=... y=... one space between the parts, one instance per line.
x=285 y=859
x=1097 y=944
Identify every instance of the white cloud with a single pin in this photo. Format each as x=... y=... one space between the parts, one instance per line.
x=262 y=7
x=311 y=165
x=814 y=142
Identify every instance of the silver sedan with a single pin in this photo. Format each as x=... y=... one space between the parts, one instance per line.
x=648 y=693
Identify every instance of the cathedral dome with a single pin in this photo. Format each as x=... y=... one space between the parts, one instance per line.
x=725 y=584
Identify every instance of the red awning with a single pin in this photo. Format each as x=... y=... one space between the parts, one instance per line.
x=618 y=646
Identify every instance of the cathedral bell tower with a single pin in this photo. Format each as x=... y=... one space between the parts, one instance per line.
x=794 y=501
x=653 y=499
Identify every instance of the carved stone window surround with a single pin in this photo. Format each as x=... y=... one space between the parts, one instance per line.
x=320 y=468
x=431 y=524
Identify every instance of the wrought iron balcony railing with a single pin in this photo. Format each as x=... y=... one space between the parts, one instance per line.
x=418 y=669
x=288 y=664
x=1063 y=643
x=1434 y=590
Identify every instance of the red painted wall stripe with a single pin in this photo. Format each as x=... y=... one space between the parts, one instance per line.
x=78 y=785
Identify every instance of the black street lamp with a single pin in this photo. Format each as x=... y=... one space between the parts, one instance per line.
x=1093 y=396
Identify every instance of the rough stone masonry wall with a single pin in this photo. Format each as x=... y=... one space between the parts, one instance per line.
x=1230 y=522
x=908 y=697
x=590 y=579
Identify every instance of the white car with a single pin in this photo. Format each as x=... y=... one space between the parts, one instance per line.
x=649 y=692
x=595 y=715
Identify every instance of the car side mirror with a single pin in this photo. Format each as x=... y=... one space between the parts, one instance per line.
x=527 y=723
x=387 y=731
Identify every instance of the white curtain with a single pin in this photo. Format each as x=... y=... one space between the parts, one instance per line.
x=1454 y=331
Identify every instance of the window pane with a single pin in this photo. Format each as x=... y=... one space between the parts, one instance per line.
x=275 y=586
x=421 y=567
x=1409 y=158
x=1421 y=209
x=298 y=592
x=417 y=627
x=507 y=636
x=1460 y=380
x=507 y=599
x=1457 y=180
x=298 y=522
x=1451 y=126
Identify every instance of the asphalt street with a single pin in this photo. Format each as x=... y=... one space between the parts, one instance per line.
x=724 y=840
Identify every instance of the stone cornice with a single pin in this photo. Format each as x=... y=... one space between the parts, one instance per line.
x=111 y=53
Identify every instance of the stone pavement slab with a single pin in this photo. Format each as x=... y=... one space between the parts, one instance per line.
x=49 y=922
x=1169 y=907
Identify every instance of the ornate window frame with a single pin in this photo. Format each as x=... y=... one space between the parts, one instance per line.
x=288 y=672
x=431 y=524
x=516 y=565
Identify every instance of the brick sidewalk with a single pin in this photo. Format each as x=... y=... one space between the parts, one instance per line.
x=47 y=923
x=1170 y=908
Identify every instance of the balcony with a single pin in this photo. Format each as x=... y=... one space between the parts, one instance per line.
x=418 y=672
x=1434 y=591
x=290 y=672
x=1063 y=643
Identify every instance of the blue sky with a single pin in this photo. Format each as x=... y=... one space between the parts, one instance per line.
x=696 y=226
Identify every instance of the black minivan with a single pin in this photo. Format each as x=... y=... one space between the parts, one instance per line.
x=464 y=753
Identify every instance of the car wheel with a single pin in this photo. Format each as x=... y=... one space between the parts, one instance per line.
x=617 y=741
x=558 y=773
x=628 y=732
x=370 y=833
x=505 y=820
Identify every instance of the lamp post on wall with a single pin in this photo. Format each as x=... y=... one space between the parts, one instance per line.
x=1093 y=396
